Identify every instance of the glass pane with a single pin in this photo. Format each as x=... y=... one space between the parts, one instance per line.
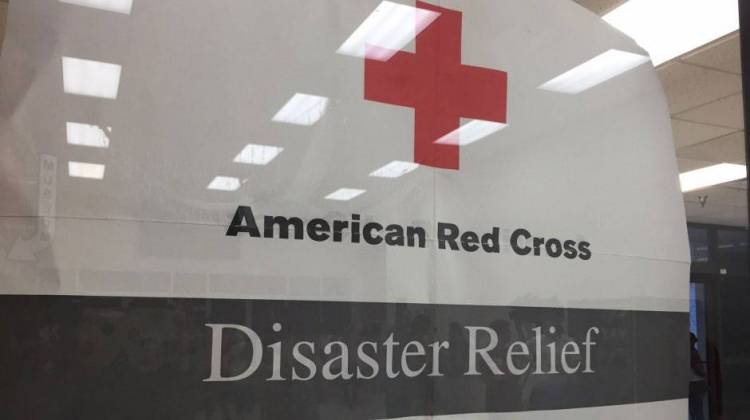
x=371 y=209
x=731 y=246
x=698 y=237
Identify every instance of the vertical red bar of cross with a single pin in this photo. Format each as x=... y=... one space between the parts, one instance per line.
x=439 y=88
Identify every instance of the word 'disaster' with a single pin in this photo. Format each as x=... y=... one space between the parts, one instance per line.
x=339 y=360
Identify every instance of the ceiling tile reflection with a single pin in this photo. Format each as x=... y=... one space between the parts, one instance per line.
x=257 y=154
x=224 y=183
x=470 y=132
x=118 y=6
x=91 y=78
x=345 y=194
x=86 y=170
x=593 y=72
x=302 y=109
x=388 y=29
x=79 y=134
x=394 y=169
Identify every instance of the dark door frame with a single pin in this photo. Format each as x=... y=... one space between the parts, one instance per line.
x=744 y=9
x=711 y=284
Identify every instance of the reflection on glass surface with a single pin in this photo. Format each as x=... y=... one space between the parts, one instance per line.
x=160 y=235
x=698 y=244
x=224 y=183
x=302 y=109
x=257 y=154
x=86 y=170
x=471 y=132
x=711 y=175
x=389 y=27
x=80 y=134
x=91 y=78
x=119 y=6
x=395 y=169
x=731 y=247
x=344 y=194
x=670 y=28
x=598 y=70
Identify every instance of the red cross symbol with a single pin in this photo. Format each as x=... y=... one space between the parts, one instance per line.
x=439 y=88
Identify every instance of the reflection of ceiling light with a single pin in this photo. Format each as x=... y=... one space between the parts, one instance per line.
x=471 y=132
x=711 y=175
x=90 y=78
x=395 y=169
x=256 y=154
x=224 y=183
x=86 y=170
x=344 y=194
x=86 y=135
x=670 y=28
x=595 y=71
x=119 y=6
x=302 y=109
x=388 y=28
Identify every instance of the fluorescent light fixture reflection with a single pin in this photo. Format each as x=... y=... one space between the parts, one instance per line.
x=670 y=28
x=86 y=170
x=224 y=183
x=598 y=70
x=256 y=154
x=711 y=175
x=344 y=194
x=302 y=109
x=395 y=169
x=90 y=78
x=119 y=6
x=79 y=134
x=470 y=132
x=386 y=31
